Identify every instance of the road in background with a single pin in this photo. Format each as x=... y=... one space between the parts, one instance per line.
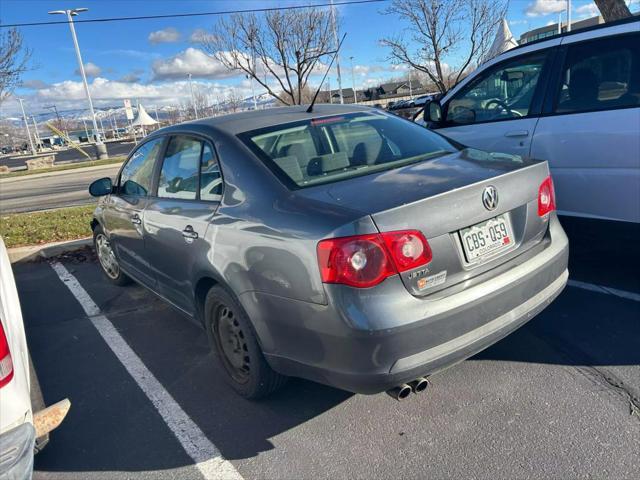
x=51 y=190
x=71 y=155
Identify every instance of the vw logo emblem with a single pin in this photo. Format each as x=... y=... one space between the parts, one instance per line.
x=490 y=197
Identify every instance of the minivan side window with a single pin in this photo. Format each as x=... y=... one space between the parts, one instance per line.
x=137 y=174
x=601 y=75
x=180 y=169
x=503 y=92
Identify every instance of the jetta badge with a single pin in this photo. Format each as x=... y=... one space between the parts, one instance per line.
x=490 y=197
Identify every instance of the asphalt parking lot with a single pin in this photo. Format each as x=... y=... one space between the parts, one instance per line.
x=558 y=398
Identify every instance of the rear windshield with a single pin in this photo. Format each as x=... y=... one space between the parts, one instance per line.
x=328 y=149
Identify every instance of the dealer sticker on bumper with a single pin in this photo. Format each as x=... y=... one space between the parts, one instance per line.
x=432 y=281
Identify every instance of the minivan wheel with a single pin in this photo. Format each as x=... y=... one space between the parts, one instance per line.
x=236 y=347
x=106 y=256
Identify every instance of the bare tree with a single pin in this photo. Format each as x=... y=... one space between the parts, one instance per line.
x=613 y=9
x=201 y=101
x=444 y=38
x=285 y=44
x=233 y=100
x=14 y=56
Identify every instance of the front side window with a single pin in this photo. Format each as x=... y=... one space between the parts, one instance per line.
x=601 y=75
x=137 y=174
x=328 y=149
x=502 y=93
x=180 y=169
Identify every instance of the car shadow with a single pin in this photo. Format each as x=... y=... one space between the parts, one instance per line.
x=580 y=328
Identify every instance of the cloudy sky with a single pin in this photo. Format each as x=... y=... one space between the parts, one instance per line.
x=149 y=60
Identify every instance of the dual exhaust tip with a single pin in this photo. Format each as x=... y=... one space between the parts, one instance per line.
x=404 y=390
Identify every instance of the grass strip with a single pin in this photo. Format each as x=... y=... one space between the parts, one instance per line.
x=20 y=229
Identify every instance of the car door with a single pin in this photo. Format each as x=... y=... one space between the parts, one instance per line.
x=124 y=210
x=498 y=110
x=591 y=135
x=188 y=193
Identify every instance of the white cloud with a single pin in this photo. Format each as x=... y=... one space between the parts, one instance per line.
x=130 y=78
x=70 y=94
x=518 y=22
x=190 y=61
x=200 y=35
x=34 y=84
x=587 y=10
x=167 y=35
x=545 y=7
x=90 y=70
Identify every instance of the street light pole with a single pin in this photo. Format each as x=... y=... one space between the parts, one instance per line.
x=193 y=100
x=35 y=132
x=335 y=36
x=353 y=83
x=100 y=147
x=568 y=15
x=410 y=89
x=26 y=124
x=255 y=70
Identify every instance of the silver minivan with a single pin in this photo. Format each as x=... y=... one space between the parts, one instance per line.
x=573 y=100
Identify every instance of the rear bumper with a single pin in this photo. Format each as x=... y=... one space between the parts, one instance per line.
x=16 y=452
x=372 y=342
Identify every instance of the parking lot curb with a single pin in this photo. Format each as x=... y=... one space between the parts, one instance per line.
x=47 y=250
x=54 y=173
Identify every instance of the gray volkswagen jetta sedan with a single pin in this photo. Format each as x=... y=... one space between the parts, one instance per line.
x=346 y=246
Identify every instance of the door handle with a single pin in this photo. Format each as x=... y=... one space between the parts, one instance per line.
x=189 y=233
x=135 y=219
x=517 y=133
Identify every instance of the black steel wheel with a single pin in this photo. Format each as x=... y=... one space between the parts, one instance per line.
x=236 y=347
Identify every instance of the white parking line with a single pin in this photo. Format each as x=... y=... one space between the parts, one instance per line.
x=204 y=453
x=607 y=290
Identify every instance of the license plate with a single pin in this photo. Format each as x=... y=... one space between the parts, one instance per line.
x=487 y=238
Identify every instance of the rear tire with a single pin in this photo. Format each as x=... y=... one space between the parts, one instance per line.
x=107 y=259
x=236 y=347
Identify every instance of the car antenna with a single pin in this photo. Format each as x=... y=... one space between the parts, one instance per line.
x=310 y=109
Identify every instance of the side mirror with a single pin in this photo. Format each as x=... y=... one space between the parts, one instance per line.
x=433 y=112
x=101 y=187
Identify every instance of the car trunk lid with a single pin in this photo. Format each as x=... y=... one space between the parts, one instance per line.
x=443 y=197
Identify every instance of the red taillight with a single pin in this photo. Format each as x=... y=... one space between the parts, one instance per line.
x=6 y=364
x=546 y=197
x=366 y=260
x=409 y=249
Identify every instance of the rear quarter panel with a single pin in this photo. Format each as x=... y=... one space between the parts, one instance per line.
x=264 y=236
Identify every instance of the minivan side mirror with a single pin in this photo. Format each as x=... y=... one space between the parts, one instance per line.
x=433 y=112
x=101 y=187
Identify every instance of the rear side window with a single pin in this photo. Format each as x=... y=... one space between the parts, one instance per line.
x=210 y=178
x=137 y=174
x=601 y=75
x=328 y=149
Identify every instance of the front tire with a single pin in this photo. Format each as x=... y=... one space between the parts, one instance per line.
x=236 y=347
x=106 y=256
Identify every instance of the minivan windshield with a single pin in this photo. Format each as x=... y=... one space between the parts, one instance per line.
x=332 y=148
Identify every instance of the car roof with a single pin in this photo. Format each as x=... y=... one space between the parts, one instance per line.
x=235 y=123
x=593 y=28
